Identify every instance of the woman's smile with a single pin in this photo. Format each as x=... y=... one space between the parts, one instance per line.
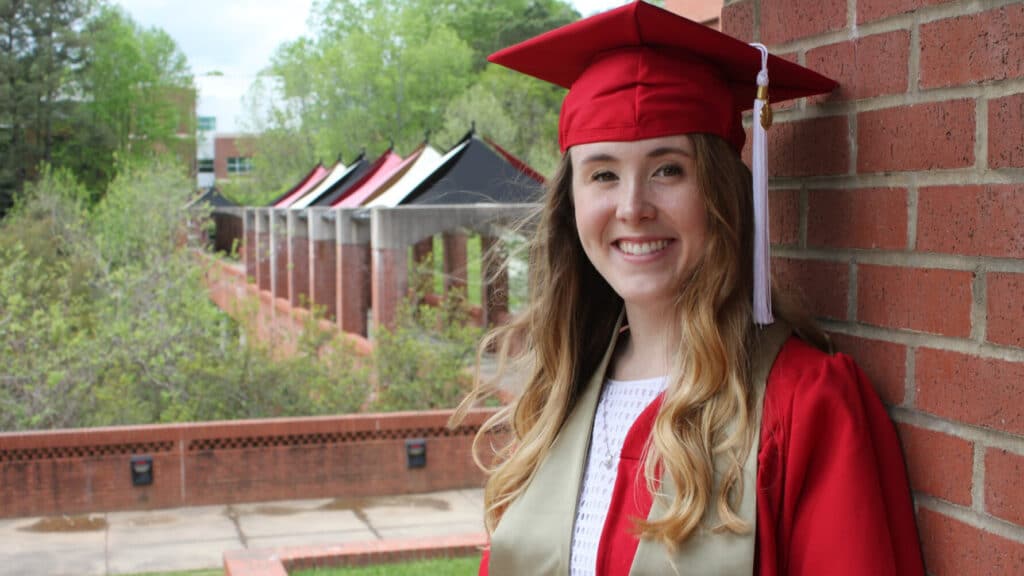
x=631 y=247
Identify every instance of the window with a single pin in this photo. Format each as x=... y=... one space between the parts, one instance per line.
x=206 y=165
x=239 y=165
x=207 y=123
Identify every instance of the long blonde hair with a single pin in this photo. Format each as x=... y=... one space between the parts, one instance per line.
x=562 y=334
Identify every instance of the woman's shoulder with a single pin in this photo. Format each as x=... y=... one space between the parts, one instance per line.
x=805 y=379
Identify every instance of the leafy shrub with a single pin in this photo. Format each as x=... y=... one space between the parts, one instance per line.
x=104 y=319
x=422 y=362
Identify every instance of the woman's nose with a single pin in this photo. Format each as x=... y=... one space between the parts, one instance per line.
x=634 y=202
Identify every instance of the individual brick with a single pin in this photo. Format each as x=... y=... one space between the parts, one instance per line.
x=866 y=67
x=1003 y=494
x=784 y=213
x=816 y=147
x=871 y=10
x=925 y=300
x=916 y=137
x=787 y=20
x=973 y=48
x=1005 y=309
x=938 y=464
x=862 y=218
x=971 y=220
x=821 y=286
x=970 y=389
x=1005 y=137
x=952 y=548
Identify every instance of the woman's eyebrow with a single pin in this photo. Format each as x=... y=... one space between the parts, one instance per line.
x=668 y=150
x=598 y=157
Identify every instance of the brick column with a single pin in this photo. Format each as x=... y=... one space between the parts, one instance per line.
x=323 y=267
x=298 y=270
x=352 y=270
x=454 y=261
x=248 y=247
x=263 y=260
x=423 y=251
x=279 y=253
x=390 y=270
x=493 y=282
x=390 y=282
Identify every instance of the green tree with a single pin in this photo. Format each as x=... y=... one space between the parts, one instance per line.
x=139 y=90
x=283 y=152
x=517 y=111
x=81 y=83
x=40 y=50
x=490 y=26
x=384 y=77
x=105 y=319
x=374 y=72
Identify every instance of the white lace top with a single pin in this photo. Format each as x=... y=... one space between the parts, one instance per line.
x=621 y=403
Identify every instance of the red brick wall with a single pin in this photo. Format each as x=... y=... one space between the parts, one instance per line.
x=298 y=273
x=323 y=279
x=80 y=471
x=898 y=207
x=273 y=321
x=230 y=146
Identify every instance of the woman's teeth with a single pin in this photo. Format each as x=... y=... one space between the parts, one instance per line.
x=641 y=248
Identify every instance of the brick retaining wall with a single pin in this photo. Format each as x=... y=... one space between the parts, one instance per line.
x=87 y=470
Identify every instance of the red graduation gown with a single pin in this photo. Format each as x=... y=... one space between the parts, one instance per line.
x=832 y=493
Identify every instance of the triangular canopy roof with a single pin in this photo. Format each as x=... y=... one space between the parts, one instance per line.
x=303 y=188
x=316 y=173
x=392 y=168
x=356 y=180
x=336 y=178
x=473 y=173
x=391 y=195
x=213 y=197
x=515 y=161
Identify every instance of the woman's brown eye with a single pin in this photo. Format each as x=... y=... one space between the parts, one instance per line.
x=603 y=176
x=669 y=170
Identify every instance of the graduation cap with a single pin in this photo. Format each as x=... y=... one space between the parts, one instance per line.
x=639 y=72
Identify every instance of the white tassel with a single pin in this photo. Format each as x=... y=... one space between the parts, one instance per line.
x=762 y=242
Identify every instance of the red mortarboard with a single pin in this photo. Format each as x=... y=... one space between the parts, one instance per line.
x=640 y=72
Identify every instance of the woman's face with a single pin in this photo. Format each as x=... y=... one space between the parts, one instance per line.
x=640 y=215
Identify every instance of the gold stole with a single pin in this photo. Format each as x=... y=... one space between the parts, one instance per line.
x=535 y=534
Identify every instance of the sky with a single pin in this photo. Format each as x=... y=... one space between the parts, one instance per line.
x=235 y=39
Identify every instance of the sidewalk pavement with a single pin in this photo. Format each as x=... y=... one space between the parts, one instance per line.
x=196 y=538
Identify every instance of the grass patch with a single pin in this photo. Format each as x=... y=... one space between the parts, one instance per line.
x=465 y=566
x=473 y=285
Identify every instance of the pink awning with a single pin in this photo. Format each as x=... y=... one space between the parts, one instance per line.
x=315 y=178
x=385 y=176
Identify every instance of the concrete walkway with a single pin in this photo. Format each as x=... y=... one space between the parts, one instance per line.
x=196 y=538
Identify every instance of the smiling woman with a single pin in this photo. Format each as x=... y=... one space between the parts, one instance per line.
x=667 y=424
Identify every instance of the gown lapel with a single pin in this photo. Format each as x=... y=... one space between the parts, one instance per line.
x=707 y=552
x=535 y=533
